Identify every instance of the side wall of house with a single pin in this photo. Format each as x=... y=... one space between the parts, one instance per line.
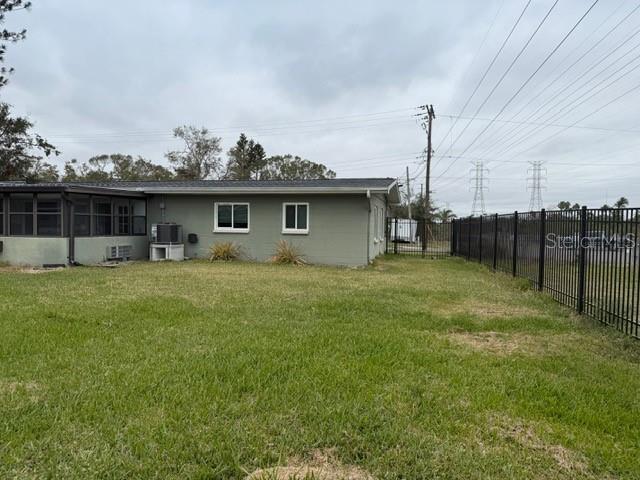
x=90 y=250
x=34 y=250
x=337 y=225
x=377 y=219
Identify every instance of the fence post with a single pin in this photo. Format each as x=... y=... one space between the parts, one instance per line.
x=582 y=258
x=387 y=234
x=452 y=238
x=543 y=235
x=480 y=242
x=469 y=238
x=395 y=236
x=424 y=236
x=495 y=241
x=515 y=243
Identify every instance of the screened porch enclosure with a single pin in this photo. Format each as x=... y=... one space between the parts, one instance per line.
x=45 y=214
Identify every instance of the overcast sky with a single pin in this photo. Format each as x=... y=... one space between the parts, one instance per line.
x=338 y=83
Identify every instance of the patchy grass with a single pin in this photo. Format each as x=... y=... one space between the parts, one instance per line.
x=408 y=369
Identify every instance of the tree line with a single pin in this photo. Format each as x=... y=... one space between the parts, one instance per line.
x=199 y=159
x=23 y=152
x=622 y=202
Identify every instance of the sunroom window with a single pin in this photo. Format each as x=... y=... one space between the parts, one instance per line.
x=102 y=216
x=231 y=217
x=139 y=216
x=295 y=218
x=82 y=216
x=122 y=220
x=49 y=215
x=21 y=214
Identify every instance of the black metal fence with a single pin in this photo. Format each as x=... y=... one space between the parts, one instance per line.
x=417 y=237
x=587 y=259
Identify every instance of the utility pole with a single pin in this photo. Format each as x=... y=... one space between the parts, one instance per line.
x=427 y=120
x=408 y=194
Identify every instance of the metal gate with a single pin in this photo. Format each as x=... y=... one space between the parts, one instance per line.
x=407 y=236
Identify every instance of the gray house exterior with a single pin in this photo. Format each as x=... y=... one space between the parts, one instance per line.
x=333 y=222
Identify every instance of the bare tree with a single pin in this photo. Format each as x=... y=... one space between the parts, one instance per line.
x=200 y=158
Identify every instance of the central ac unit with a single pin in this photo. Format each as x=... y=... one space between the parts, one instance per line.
x=166 y=233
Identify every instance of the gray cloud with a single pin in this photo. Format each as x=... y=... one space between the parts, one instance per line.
x=101 y=77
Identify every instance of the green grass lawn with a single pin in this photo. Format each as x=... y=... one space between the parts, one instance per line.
x=408 y=369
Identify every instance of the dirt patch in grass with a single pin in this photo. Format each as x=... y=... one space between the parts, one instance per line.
x=30 y=389
x=6 y=268
x=321 y=466
x=499 y=343
x=486 y=310
x=569 y=461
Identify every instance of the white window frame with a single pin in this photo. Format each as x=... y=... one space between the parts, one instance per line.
x=217 y=229
x=294 y=231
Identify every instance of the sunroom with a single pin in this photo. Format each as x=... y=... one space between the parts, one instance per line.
x=58 y=224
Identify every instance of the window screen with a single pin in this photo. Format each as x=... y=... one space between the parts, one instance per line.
x=82 y=216
x=21 y=214
x=49 y=215
x=139 y=216
x=102 y=216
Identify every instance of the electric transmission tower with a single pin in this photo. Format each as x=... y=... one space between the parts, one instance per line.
x=478 y=184
x=536 y=183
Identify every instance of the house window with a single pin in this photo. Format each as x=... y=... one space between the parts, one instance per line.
x=82 y=217
x=295 y=218
x=102 y=216
x=139 y=216
x=21 y=214
x=49 y=215
x=231 y=217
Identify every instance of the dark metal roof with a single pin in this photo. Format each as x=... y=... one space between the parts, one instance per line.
x=328 y=186
x=59 y=187
x=334 y=182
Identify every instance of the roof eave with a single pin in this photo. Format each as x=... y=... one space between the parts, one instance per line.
x=262 y=190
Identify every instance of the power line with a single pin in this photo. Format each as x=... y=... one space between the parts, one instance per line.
x=583 y=118
x=271 y=125
x=517 y=142
x=506 y=72
x=510 y=133
x=544 y=89
x=535 y=72
x=547 y=124
x=493 y=60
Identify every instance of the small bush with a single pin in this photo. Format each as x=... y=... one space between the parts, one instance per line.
x=226 y=251
x=288 y=253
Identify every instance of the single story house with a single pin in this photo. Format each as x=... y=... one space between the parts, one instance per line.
x=335 y=221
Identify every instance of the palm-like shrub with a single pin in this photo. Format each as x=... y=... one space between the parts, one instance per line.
x=226 y=251
x=288 y=253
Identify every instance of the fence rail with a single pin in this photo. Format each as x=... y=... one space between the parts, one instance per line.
x=587 y=259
